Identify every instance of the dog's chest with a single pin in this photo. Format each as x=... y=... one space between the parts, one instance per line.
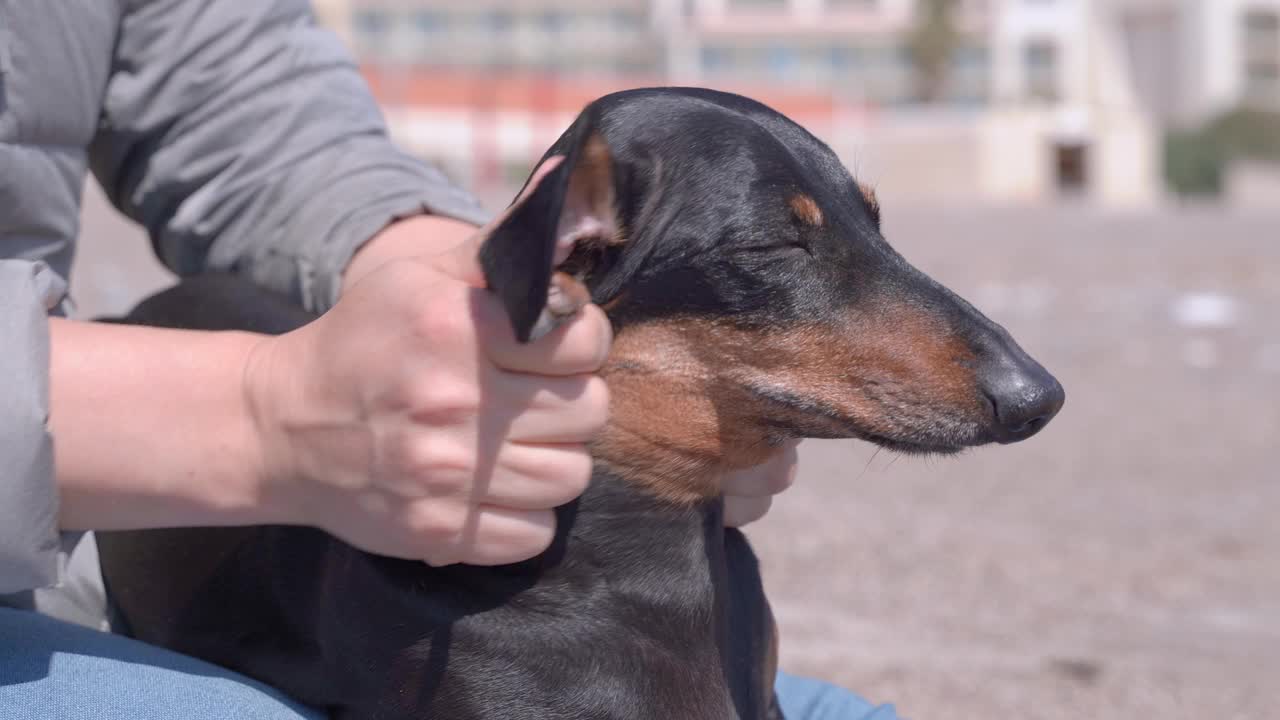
x=638 y=619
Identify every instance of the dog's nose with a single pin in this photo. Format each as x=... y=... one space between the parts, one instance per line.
x=1023 y=395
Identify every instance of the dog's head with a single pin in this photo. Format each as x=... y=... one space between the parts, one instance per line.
x=752 y=294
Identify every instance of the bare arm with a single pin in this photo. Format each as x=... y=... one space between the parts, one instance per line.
x=451 y=444
x=155 y=427
x=152 y=428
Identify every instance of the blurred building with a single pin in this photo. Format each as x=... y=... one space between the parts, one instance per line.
x=563 y=37
x=855 y=49
x=1039 y=99
x=1193 y=59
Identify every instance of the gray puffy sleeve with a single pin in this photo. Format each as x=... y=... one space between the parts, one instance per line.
x=243 y=138
x=28 y=497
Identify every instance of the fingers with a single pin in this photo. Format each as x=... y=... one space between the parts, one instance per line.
x=536 y=477
x=580 y=344
x=739 y=511
x=471 y=511
x=748 y=494
x=548 y=410
x=489 y=535
x=769 y=478
x=509 y=536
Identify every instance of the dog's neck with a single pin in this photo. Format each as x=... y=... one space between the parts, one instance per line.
x=675 y=428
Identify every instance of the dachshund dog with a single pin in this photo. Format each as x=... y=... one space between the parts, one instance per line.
x=753 y=300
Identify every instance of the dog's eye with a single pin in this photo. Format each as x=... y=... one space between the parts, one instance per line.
x=787 y=247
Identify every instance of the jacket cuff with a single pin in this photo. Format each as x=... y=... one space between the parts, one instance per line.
x=377 y=190
x=29 y=540
x=441 y=199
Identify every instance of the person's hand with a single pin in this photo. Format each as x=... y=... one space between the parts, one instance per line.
x=749 y=493
x=409 y=422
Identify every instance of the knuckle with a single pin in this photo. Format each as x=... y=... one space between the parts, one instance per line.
x=440 y=465
x=443 y=400
x=783 y=481
x=439 y=522
x=541 y=532
x=566 y=475
x=603 y=336
x=442 y=320
x=415 y=456
x=590 y=340
x=577 y=473
x=399 y=276
x=595 y=402
x=541 y=543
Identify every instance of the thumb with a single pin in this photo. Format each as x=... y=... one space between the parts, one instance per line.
x=462 y=261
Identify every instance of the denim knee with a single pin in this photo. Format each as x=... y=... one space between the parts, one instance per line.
x=53 y=669
x=808 y=699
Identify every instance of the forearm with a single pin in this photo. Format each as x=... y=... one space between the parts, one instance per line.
x=152 y=428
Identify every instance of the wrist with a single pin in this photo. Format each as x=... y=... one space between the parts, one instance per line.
x=178 y=448
x=413 y=237
x=266 y=385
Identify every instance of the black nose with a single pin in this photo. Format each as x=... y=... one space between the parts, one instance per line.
x=1023 y=395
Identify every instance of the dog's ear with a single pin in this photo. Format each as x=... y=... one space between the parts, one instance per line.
x=558 y=211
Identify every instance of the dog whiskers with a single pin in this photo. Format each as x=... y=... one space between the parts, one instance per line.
x=869 y=461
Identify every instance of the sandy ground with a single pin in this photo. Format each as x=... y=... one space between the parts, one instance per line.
x=1123 y=564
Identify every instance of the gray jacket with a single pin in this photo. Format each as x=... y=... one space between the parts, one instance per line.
x=239 y=134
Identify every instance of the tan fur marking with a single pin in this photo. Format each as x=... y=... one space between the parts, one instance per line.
x=806 y=209
x=566 y=296
x=591 y=195
x=869 y=194
x=686 y=409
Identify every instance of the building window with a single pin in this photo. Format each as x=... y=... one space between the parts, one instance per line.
x=1261 y=50
x=372 y=22
x=969 y=75
x=780 y=61
x=758 y=4
x=498 y=21
x=845 y=58
x=626 y=21
x=716 y=59
x=1040 y=63
x=552 y=21
x=969 y=57
x=430 y=22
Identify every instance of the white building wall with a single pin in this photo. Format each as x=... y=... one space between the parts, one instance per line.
x=1215 y=33
x=1015 y=23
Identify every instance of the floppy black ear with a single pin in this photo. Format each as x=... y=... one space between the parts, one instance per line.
x=571 y=204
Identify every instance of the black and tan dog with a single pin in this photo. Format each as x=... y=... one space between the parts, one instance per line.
x=753 y=300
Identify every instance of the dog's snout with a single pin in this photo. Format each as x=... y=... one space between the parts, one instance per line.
x=1023 y=395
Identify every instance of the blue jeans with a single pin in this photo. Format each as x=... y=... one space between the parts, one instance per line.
x=50 y=669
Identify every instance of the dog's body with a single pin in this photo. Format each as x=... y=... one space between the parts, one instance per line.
x=627 y=615
x=635 y=612
x=753 y=301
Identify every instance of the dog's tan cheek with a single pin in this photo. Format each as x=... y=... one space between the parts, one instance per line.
x=675 y=424
x=683 y=412
x=869 y=369
x=912 y=357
